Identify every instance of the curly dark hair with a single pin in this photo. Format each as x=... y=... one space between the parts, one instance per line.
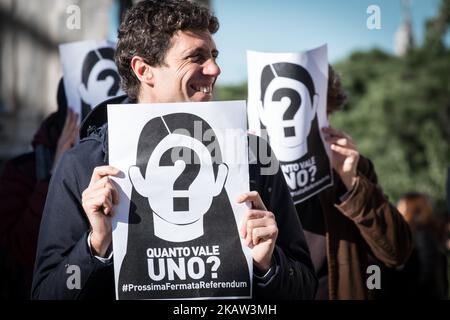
x=147 y=29
x=336 y=96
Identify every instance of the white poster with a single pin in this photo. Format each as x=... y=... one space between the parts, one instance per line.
x=90 y=74
x=287 y=96
x=175 y=229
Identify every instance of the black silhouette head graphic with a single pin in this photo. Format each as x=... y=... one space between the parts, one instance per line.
x=189 y=208
x=99 y=79
x=288 y=110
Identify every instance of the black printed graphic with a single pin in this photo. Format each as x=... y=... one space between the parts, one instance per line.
x=183 y=241
x=99 y=79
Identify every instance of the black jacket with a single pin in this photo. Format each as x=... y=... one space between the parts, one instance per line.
x=65 y=227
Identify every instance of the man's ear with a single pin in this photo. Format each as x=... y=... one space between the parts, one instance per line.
x=142 y=70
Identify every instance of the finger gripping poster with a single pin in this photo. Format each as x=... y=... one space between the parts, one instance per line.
x=287 y=96
x=175 y=229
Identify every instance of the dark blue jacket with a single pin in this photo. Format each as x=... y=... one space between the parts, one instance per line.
x=64 y=229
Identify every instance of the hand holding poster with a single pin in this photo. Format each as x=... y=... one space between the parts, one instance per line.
x=90 y=74
x=287 y=94
x=175 y=230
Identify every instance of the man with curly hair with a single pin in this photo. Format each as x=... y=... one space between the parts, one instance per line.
x=165 y=53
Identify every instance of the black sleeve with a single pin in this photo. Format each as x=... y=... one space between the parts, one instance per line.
x=294 y=276
x=62 y=246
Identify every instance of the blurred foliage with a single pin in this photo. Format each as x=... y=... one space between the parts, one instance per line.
x=398 y=112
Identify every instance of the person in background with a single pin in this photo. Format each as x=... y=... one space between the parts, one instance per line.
x=351 y=220
x=23 y=189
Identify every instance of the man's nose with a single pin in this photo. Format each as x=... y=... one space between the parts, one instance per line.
x=211 y=68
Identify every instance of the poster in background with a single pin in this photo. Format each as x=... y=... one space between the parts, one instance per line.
x=287 y=96
x=175 y=229
x=90 y=74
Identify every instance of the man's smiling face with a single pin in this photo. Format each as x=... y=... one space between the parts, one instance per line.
x=189 y=70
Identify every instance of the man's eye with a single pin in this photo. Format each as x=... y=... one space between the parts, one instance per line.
x=196 y=58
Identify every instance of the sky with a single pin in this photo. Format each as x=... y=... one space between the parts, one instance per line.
x=297 y=25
